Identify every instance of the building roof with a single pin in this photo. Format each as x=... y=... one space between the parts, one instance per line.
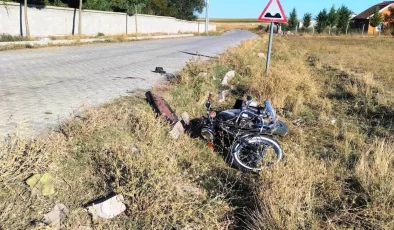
x=368 y=12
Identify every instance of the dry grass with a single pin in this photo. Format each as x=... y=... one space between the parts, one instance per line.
x=236 y=25
x=338 y=172
x=346 y=112
x=166 y=183
x=76 y=40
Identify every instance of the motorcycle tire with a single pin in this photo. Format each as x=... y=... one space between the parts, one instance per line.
x=239 y=153
x=281 y=129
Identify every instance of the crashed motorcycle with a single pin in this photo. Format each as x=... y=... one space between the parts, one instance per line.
x=248 y=129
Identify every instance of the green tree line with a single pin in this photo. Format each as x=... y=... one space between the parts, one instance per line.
x=175 y=8
x=339 y=18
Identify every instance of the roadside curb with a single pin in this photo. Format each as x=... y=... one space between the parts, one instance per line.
x=90 y=40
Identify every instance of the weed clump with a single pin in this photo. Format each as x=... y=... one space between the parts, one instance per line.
x=10 y=38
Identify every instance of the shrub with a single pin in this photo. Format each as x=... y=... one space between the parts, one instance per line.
x=99 y=34
x=10 y=38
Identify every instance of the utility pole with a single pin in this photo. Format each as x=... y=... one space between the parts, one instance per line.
x=207 y=17
x=80 y=18
x=26 y=20
x=136 y=21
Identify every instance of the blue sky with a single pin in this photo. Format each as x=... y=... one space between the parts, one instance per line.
x=253 y=8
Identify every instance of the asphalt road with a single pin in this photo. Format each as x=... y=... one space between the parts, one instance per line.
x=41 y=87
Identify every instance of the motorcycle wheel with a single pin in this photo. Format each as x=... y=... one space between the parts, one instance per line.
x=247 y=159
x=281 y=129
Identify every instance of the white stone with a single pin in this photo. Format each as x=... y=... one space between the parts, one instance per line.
x=44 y=39
x=185 y=118
x=297 y=122
x=177 y=131
x=109 y=208
x=134 y=149
x=55 y=217
x=230 y=75
x=261 y=55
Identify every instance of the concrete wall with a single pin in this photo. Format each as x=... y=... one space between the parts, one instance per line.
x=56 y=21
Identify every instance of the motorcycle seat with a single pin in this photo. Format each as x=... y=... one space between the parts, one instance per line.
x=229 y=114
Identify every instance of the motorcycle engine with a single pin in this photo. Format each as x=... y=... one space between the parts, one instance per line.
x=246 y=123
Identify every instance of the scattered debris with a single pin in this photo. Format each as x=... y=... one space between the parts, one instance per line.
x=333 y=121
x=134 y=149
x=56 y=216
x=230 y=75
x=42 y=184
x=185 y=118
x=298 y=122
x=44 y=39
x=109 y=208
x=170 y=76
x=159 y=70
x=177 y=130
x=222 y=95
x=161 y=107
x=261 y=55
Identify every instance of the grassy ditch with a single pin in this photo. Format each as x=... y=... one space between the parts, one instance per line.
x=10 y=38
x=338 y=171
x=76 y=40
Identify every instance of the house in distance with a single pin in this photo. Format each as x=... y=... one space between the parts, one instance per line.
x=386 y=8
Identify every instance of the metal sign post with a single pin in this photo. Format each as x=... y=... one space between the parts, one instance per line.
x=207 y=17
x=267 y=65
x=273 y=12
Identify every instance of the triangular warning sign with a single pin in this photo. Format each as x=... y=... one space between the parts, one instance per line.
x=273 y=12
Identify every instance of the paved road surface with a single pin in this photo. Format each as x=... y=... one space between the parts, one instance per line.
x=39 y=88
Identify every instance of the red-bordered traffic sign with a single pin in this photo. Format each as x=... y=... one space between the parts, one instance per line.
x=273 y=12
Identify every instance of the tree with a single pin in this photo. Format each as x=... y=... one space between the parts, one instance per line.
x=185 y=9
x=376 y=19
x=157 y=7
x=307 y=20
x=321 y=21
x=344 y=17
x=102 y=5
x=26 y=19
x=332 y=18
x=293 y=21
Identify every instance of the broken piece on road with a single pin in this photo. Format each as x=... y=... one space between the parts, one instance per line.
x=109 y=208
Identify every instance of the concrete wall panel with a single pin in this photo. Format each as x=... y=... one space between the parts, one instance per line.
x=56 y=21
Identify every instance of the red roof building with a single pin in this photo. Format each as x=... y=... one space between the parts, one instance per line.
x=361 y=21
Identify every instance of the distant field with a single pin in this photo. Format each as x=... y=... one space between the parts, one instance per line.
x=231 y=20
x=233 y=23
